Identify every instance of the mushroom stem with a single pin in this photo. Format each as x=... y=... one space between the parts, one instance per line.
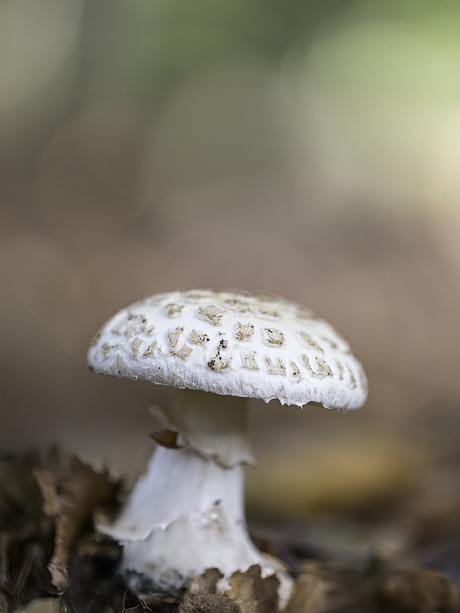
x=186 y=513
x=196 y=515
x=214 y=426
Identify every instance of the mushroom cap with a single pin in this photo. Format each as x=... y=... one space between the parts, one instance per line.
x=233 y=343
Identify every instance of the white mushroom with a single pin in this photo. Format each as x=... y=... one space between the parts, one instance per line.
x=186 y=513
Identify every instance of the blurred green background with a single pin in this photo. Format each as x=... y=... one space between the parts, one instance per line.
x=310 y=149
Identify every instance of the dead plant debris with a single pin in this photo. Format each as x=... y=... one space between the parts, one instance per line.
x=53 y=561
x=71 y=492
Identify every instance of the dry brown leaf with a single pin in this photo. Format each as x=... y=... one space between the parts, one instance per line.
x=418 y=591
x=199 y=597
x=71 y=493
x=205 y=583
x=20 y=497
x=310 y=595
x=207 y=603
x=42 y=605
x=166 y=438
x=320 y=592
x=249 y=593
x=253 y=593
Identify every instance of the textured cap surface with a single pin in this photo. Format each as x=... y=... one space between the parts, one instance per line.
x=232 y=343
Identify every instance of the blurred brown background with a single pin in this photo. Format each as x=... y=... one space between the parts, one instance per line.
x=308 y=148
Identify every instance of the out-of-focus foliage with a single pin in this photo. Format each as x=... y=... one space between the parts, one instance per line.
x=144 y=50
x=38 y=67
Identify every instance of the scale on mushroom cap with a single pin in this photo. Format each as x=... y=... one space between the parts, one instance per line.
x=186 y=513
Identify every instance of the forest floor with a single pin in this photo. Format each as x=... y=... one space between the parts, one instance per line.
x=52 y=560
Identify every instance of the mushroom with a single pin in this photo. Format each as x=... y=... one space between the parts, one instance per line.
x=186 y=513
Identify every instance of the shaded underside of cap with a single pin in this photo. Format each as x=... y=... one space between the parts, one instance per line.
x=231 y=343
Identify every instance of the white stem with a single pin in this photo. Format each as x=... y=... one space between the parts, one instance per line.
x=190 y=522
x=178 y=483
x=214 y=426
x=186 y=513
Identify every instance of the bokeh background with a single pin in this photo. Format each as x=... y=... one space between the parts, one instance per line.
x=307 y=148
